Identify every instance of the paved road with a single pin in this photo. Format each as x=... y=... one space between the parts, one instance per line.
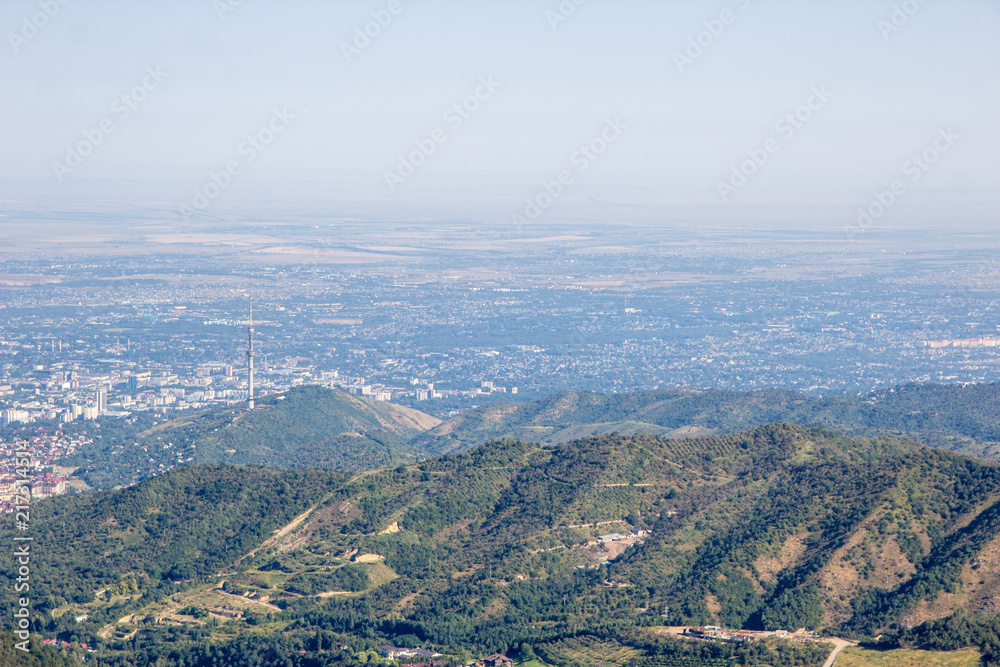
x=838 y=646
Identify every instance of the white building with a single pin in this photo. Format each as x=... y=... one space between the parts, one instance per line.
x=15 y=415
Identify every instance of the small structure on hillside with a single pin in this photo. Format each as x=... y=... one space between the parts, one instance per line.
x=395 y=652
x=495 y=660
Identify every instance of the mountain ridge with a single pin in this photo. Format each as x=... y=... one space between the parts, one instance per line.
x=305 y=427
x=313 y=426
x=954 y=417
x=777 y=527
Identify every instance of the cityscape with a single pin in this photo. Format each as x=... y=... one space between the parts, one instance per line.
x=549 y=333
x=144 y=342
x=87 y=339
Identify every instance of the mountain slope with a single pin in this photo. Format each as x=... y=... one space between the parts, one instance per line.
x=305 y=427
x=188 y=523
x=965 y=418
x=765 y=523
x=313 y=426
x=777 y=527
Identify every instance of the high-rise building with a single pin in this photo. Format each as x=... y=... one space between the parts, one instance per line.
x=102 y=399
x=13 y=415
x=133 y=382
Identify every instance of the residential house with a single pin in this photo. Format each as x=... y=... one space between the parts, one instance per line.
x=496 y=660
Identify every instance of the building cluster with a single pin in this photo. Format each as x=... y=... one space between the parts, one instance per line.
x=58 y=393
x=417 y=390
x=408 y=654
x=46 y=448
x=46 y=485
x=159 y=345
x=716 y=633
x=41 y=486
x=963 y=342
x=636 y=534
x=720 y=634
x=55 y=393
x=401 y=653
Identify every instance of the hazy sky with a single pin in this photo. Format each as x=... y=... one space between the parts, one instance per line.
x=610 y=67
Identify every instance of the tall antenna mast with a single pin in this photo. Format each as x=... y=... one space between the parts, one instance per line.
x=250 y=357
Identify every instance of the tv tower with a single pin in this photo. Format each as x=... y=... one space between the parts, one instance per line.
x=250 y=357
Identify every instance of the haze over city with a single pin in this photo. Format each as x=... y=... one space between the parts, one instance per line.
x=611 y=332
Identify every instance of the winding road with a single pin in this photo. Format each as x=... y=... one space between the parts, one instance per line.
x=838 y=646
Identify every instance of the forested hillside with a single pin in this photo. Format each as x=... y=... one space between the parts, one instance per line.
x=306 y=427
x=961 y=418
x=186 y=524
x=316 y=427
x=587 y=548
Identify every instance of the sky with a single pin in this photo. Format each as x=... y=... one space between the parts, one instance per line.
x=667 y=95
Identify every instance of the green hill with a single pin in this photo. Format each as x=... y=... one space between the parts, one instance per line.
x=188 y=523
x=310 y=427
x=305 y=427
x=962 y=418
x=512 y=544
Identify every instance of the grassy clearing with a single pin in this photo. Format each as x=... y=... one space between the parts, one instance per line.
x=859 y=657
x=217 y=602
x=380 y=574
x=530 y=663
